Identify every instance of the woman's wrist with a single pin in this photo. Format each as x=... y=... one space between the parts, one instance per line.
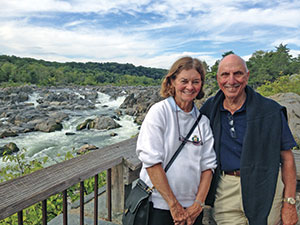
x=202 y=204
x=173 y=203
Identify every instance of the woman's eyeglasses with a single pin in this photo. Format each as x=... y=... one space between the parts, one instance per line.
x=195 y=140
x=231 y=124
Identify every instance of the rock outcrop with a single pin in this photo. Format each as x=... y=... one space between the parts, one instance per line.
x=138 y=102
x=292 y=102
x=99 y=123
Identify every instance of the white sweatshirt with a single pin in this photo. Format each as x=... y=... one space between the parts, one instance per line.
x=157 y=142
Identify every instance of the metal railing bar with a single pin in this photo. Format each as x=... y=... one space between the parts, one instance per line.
x=20 y=217
x=96 y=200
x=82 y=203
x=108 y=181
x=44 y=211
x=65 y=208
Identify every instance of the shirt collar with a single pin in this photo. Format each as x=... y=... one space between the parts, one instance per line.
x=172 y=102
x=243 y=108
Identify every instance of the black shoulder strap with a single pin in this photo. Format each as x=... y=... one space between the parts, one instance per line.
x=183 y=143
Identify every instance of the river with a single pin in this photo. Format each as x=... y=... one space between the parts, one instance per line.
x=56 y=144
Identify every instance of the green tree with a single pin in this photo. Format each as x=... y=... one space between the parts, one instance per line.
x=227 y=53
x=7 y=72
x=267 y=66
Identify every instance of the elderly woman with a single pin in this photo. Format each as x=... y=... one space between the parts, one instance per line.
x=179 y=193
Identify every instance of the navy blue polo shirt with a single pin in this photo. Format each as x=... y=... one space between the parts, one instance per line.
x=233 y=129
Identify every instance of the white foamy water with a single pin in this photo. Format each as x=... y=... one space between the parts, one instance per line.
x=56 y=144
x=33 y=99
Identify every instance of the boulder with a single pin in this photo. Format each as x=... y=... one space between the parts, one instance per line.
x=86 y=148
x=26 y=115
x=104 y=123
x=22 y=97
x=99 y=123
x=9 y=148
x=58 y=116
x=84 y=125
x=129 y=101
x=48 y=126
x=292 y=102
x=7 y=133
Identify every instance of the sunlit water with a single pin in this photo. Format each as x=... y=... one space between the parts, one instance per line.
x=56 y=144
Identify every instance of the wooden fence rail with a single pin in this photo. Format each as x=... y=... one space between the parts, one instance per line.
x=22 y=192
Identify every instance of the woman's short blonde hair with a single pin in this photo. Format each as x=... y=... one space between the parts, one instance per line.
x=184 y=63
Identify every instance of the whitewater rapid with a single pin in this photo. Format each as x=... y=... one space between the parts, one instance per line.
x=56 y=144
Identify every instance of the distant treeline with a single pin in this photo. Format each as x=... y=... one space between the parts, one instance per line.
x=263 y=65
x=31 y=71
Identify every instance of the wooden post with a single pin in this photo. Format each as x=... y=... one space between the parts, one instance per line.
x=118 y=192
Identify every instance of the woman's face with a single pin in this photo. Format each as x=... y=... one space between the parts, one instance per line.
x=187 y=85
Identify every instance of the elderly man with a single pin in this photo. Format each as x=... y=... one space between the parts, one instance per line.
x=255 y=182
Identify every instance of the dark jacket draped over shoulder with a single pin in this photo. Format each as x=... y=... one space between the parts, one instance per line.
x=260 y=159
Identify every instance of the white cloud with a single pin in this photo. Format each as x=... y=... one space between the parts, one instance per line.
x=166 y=60
x=292 y=40
x=26 y=7
x=65 y=30
x=295 y=53
x=99 y=44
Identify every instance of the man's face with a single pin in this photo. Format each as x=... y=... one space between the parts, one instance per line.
x=232 y=77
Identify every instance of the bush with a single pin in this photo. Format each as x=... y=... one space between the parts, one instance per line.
x=282 y=84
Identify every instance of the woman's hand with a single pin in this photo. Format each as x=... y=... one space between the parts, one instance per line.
x=179 y=214
x=193 y=212
x=159 y=180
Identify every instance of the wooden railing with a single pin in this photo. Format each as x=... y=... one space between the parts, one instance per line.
x=122 y=167
x=118 y=159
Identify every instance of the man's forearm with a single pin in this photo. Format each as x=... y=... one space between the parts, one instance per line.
x=288 y=170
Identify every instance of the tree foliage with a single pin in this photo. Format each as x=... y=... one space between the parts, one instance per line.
x=268 y=66
x=263 y=66
x=31 y=71
x=282 y=84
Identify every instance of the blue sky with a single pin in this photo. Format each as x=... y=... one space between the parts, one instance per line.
x=144 y=32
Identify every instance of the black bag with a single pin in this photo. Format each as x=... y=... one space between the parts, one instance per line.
x=137 y=204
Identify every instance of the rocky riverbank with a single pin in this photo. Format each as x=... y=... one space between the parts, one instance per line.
x=44 y=109
x=56 y=104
